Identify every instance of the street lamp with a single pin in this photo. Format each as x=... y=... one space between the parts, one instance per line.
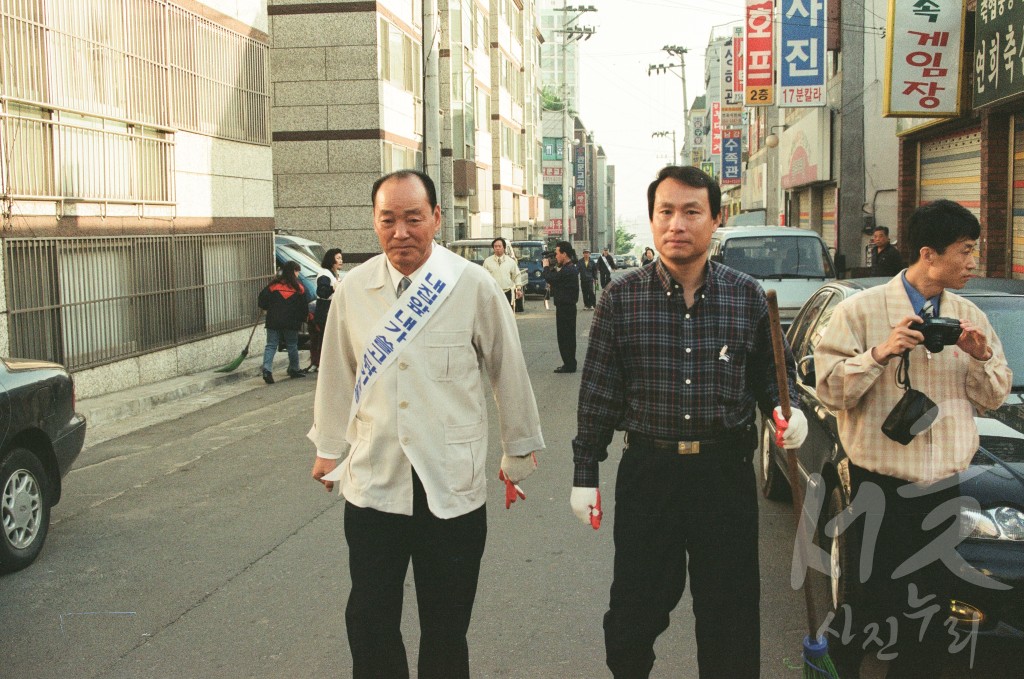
x=772 y=140
x=666 y=133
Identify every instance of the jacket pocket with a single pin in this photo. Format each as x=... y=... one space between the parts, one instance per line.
x=464 y=454
x=450 y=354
x=360 y=466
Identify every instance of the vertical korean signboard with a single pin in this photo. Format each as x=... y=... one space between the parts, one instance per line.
x=731 y=142
x=923 y=47
x=998 y=40
x=739 y=66
x=716 y=128
x=581 y=181
x=759 y=69
x=802 y=53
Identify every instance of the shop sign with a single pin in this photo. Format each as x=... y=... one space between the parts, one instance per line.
x=998 y=41
x=802 y=53
x=923 y=47
x=552 y=174
x=737 y=78
x=708 y=168
x=759 y=54
x=805 y=150
x=552 y=148
x=731 y=147
x=716 y=128
x=581 y=203
x=554 y=228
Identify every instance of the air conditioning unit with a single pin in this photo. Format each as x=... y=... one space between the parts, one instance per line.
x=464 y=178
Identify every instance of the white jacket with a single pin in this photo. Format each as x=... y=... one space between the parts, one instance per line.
x=427 y=410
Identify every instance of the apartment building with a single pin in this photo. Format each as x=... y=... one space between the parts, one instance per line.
x=135 y=184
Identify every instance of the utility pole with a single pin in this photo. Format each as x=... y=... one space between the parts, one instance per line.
x=680 y=52
x=665 y=133
x=569 y=34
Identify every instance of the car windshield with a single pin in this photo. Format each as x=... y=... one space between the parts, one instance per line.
x=788 y=256
x=474 y=252
x=528 y=252
x=1006 y=314
x=307 y=266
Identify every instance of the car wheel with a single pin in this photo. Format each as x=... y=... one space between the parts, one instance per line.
x=842 y=577
x=774 y=485
x=24 y=509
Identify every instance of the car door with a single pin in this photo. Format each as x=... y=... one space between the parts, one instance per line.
x=5 y=405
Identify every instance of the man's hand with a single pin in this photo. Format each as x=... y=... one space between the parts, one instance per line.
x=900 y=339
x=321 y=467
x=586 y=505
x=789 y=434
x=973 y=341
x=513 y=470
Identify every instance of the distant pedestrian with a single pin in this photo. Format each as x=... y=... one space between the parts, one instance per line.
x=588 y=280
x=327 y=278
x=284 y=300
x=647 y=257
x=565 y=290
x=886 y=260
x=605 y=266
x=504 y=268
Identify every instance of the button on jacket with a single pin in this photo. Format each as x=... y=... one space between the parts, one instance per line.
x=863 y=392
x=426 y=410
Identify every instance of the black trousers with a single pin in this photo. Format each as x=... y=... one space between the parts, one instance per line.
x=882 y=597
x=678 y=514
x=589 y=295
x=606 y=278
x=445 y=555
x=565 y=325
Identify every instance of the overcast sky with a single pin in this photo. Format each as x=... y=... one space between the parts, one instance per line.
x=623 y=106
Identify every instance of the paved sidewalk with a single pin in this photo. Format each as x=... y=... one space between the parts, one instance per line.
x=122 y=412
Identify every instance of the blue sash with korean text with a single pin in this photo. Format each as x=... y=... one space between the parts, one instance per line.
x=403 y=321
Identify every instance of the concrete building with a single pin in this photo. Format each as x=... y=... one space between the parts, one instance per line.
x=135 y=184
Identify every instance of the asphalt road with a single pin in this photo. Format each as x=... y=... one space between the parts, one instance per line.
x=201 y=547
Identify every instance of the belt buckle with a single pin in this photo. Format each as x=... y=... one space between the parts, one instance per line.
x=688 y=447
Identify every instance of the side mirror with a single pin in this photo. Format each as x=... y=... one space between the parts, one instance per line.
x=805 y=371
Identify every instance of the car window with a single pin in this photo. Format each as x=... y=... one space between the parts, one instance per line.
x=473 y=252
x=528 y=252
x=1006 y=314
x=805 y=320
x=822 y=324
x=788 y=256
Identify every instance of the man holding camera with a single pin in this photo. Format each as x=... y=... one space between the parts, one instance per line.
x=859 y=375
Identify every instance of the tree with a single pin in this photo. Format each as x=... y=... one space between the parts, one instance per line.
x=550 y=101
x=623 y=241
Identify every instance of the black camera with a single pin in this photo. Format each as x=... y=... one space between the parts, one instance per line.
x=938 y=332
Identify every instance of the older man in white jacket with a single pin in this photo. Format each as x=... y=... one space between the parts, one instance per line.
x=400 y=396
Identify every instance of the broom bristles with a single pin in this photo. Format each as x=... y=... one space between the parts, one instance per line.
x=817 y=663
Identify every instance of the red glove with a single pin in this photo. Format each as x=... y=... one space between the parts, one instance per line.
x=595 y=516
x=512 y=490
x=780 y=427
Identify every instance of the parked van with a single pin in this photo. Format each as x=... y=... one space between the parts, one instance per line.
x=530 y=253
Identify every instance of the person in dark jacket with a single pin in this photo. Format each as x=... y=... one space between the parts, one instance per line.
x=647 y=257
x=588 y=277
x=886 y=260
x=284 y=300
x=326 y=279
x=565 y=290
x=605 y=266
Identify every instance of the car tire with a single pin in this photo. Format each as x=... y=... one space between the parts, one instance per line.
x=843 y=562
x=774 y=485
x=25 y=499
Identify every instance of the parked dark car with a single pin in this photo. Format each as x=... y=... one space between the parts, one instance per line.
x=530 y=256
x=41 y=435
x=993 y=538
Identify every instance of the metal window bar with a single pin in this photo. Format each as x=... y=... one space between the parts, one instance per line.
x=84 y=302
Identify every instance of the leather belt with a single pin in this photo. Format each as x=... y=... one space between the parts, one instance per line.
x=719 y=445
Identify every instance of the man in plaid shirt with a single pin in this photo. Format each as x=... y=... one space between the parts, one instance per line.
x=679 y=356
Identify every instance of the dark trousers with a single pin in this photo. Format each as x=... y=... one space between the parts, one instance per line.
x=445 y=557
x=518 y=308
x=589 y=295
x=606 y=278
x=676 y=514
x=565 y=325
x=882 y=598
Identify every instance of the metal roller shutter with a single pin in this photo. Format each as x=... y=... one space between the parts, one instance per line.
x=1017 y=253
x=805 y=209
x=951 y=169
x=828 y=215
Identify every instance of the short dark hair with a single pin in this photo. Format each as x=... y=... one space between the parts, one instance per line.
x=428 y=184
x=883 y=229
x=504 y=243
x=566 y=247
x=328 y=260
x=938 y=225
x=691 y=176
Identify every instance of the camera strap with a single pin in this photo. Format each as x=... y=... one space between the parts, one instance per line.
x=903 y=371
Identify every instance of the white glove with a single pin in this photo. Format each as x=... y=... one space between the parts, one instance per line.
x=794 y=431
x=518 y=468
x=586 y=505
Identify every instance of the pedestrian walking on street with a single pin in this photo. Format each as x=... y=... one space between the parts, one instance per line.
x=284 y=300
x=400 y=398
x=605 y=266
x=565 y=291
x=505 y=270
x=679 y=358
x=588 y=278
x=647 y=257
x=327 y=278
x=867 y=346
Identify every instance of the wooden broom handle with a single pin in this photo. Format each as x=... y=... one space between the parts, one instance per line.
x=780 y=353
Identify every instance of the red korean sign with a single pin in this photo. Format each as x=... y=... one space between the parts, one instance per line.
x=923 y=48
x=738 y=70
x=716 y=128
x=758 y=56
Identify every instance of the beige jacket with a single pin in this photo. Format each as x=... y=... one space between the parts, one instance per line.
x=863 y=392
x=427 y=410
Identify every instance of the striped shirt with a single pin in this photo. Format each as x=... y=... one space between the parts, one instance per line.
x=658 y=368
